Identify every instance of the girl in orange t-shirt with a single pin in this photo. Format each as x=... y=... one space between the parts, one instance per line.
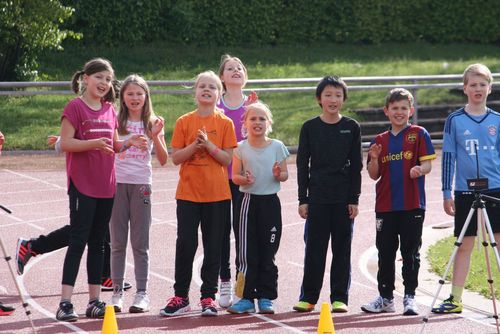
x=202 y=143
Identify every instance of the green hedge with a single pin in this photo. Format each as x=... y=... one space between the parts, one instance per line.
x=268 y=22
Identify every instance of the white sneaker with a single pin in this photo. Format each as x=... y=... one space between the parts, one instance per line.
x=226 y=294
x=379 y=305
x=410 y=307
x=117 y=299
x=141 y=303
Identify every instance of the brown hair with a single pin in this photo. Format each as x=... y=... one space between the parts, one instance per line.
x=93 y=66
x=398 y=94
x=223 y=61
x=147 y=110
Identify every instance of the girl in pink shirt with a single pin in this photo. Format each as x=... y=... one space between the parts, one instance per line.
x=90 y=139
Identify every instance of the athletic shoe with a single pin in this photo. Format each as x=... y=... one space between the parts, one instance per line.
x=107 y=284
x=379 y=305
x=141 y=303
x=65 y=312
x=410 y=307
x=226 y=294
x=265 y=306
x=339 y=307
x=175 y=306
x=303 y=306
x=23 y=254
x=242 y=306
x=96 y=309
x=449 y=305
x=117 y=299
x=208 y=307
x=6 y=310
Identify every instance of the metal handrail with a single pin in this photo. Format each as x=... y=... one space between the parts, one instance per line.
x=183 y=85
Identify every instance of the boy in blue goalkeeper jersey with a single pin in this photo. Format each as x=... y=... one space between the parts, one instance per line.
x=470 y=132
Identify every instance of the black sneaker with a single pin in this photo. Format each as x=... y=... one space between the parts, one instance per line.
x=6 y=309
x=96 y=309
x=208 y=307
x=176 y=305
x=65 y=312
x=23 y=254
x=107 y=284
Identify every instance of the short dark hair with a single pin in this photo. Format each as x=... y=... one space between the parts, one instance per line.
x=398 y=94
x=331 y=80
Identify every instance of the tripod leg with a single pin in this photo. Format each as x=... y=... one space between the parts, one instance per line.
x=457 y=244
x=484 y=223
x=493 y=243
x=24 y=303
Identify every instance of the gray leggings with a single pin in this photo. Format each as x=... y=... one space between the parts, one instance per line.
x=131 y=210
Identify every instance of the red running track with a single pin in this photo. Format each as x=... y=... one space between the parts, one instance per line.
x=39 y=204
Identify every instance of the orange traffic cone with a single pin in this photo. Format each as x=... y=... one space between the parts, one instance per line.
x=325 y=325
x=109 y=325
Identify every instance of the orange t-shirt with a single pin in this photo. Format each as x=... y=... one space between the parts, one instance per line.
x=202 y=178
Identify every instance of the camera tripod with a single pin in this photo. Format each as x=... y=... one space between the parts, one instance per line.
x=483 y=228
x=7 y=259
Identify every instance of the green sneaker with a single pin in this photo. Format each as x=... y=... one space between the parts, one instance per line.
x=339 y=307
x=448 y=306
x=303 y=306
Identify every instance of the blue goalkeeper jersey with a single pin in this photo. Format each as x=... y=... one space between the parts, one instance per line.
x=465 y=138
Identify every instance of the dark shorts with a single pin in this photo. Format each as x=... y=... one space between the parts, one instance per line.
x=463 y=204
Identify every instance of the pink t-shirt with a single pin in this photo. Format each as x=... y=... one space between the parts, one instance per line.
x=92 y=172
x=236 y=115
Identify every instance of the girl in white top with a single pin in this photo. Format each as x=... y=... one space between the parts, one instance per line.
x=132 y=205
x=259 y=167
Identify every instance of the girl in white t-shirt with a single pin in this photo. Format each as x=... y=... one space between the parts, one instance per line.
x=259 y=167
x=132 y=205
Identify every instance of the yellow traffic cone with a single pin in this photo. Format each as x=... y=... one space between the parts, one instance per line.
x=109 y=325
x=325 y=325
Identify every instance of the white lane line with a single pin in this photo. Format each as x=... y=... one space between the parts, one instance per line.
x=170 y=222
x=34 y=179
x=155 y=274
x=425 y=299
x=371 y=254
x=30 y=191
x=37 y=202
x=30 y=222
x=197 y=280
x=328 y=274
x=35 y=304
x=19 y=221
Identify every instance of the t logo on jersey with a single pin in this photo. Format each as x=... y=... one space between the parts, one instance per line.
x=471 y=146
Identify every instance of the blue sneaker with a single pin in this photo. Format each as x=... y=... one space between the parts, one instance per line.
x=265 y=306
x=242 y=306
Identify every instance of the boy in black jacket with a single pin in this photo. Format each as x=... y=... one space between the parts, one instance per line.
x=329 y=163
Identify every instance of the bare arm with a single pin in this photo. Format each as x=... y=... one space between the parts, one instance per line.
x=424 y=168
x=280 y=170
x=179 y=155
x=240 y=177
x=159 y=141
x=373 y=167
x=71 y=144
x=223 y=156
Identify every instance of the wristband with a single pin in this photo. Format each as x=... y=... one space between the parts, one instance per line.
x=215 y=151
x=124 y=146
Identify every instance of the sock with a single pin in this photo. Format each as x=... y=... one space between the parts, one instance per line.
x=92 y=301
x=456 y=292
x=65 y=301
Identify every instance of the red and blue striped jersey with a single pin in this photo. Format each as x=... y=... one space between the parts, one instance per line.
x=396 y=191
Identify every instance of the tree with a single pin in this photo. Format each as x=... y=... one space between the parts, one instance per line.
x=28 y=27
